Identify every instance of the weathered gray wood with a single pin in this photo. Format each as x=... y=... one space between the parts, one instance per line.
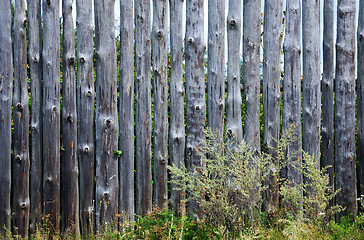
x=216 y=65
x=251 y=74
x=360 y=96
x=160 y=89
x=311 y=77
x=126 y=144
x=292 y=90
x=70 y=188
x=51 y=113
x=327 y=86
x=251 y=78
x=20 y=165
x=176 y=128
x=272 y=40
x=345 y=159
x=35 y=66
x=143 y=120
x=107 y=128
x=85 y=101
x=195 y=89
x=234 y=127
x=6 y=93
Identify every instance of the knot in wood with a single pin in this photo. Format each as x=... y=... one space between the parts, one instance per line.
x=18 y=158
x=85 y=149
x=160 y=34
x=89 y=93
x=35 y=59
x=49 y=2
x=232 y=23
x=71 y=60
x=190 y=40
x=19 y=106
x=197 y=107
x=82 y=59
x=70 y=118
x=108 y=123
x=25 y=22
x=54 y=109
x=163 y=161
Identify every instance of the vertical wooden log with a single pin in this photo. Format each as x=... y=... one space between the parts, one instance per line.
x=234 y=127
x=35 y=65
x=272 y=41
x=195 y=89
x=177 y=128
x=70 y=190
x=51 y=113
x=107 y=128
x=345 y=159
x=327 y=86
x=160 y=130
x=126 y=144
x=292 y=90
x=85 y=101
x=360 y=96
x=251 y=76
x=21 y=162
x=143 y=120
x=6 y=92
x=216 y=65
x=311 y=77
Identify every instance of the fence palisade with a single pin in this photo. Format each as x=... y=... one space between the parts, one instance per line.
x=70 y=188
x=176 y=128
x=51 y=113
x=91 y=172
x=291 y=114
x=6 y=93
x=360 y=96
x=126 y=144
x=107 y=128
x=85 y=120
x=35 y=66
x=195 y=89
x=216 y=65
x=272 y=43
x=234 y=127
x=327 y=86
x=345 y=156
x=143 y=118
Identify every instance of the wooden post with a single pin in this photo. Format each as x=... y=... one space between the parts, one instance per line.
x=21 y=162
x=327 y=86
x=143 y=119
x=51 y=114
x=311 y=77
x=234 y=127
x=85 y=101
x=70 y=188
x=176 y=128
x=251 y=78
x=360 y=96
x=107 y=128
x=272 y=43
x=195 y=89
x=35 y=66
x=126 y=144
x=216 y=65
x=6 y=90
x=292 y=91
x=160 y=89
x=345 y=159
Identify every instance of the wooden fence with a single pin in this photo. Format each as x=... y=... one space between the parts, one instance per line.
x=65 y=117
